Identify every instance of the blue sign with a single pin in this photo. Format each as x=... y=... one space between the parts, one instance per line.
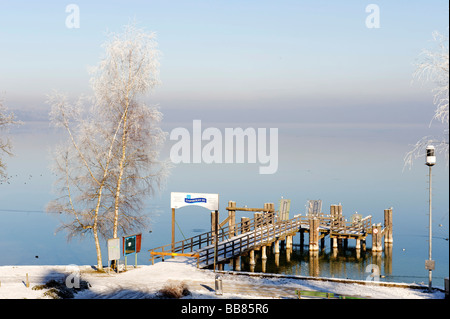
x=190 y=200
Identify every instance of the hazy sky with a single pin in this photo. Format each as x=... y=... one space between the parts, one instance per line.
x=313 y=69
x=258 y=55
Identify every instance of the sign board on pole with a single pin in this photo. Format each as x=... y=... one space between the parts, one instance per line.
x=429 y=264
x=209 y=201
x=131 y=244
x=113 y=248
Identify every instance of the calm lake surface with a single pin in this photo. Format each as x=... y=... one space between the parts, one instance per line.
x=369 y=185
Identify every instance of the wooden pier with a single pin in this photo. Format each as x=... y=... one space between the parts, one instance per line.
x=265 y=230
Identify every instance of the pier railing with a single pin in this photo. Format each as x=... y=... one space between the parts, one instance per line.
x=207 y=239
x=341 y=226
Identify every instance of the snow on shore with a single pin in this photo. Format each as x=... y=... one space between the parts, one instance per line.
x=146 y=281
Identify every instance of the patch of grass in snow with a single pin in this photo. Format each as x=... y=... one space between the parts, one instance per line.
x=58 y=289
x=174 y=290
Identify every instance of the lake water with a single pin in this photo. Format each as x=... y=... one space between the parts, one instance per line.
x=367 y=184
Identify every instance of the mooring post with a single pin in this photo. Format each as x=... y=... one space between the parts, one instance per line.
x=388 y=236
x=263 y=253
x=232 y=219
x=358 y=243
x=252 y=257
x=237 y=263
x=276 y=246
x=332 y=211
x=289 y=242
x=376 y=238
x=313 y=234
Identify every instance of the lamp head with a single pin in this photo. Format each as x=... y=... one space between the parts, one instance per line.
x=431 y=157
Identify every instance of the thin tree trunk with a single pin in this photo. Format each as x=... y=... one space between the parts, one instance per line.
x=121 y=171
x=97 y=248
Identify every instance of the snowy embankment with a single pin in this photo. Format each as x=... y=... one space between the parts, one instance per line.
x=147 y=281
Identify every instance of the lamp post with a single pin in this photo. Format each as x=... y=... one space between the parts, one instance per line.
x=429 y=264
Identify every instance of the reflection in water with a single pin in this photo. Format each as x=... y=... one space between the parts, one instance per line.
x=349 y=263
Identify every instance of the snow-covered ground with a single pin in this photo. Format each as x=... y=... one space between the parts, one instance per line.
x=146 y=281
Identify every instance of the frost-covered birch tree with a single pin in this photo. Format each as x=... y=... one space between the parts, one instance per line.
x=110 y=166
x=129 y=71
x=6 y=119
x=434 y=68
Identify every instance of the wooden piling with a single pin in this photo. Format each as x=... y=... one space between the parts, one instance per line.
x=237 y=263
x=335 y=242
x=263 y=253
x=358 y=244
x=276 y=246
x=252 y=257
x=313 y=234
x=388 y=238
x=232 y=219
x=289 y=242
x=376 y=238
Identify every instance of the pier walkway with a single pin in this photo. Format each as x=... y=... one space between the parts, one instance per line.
x=267 y=230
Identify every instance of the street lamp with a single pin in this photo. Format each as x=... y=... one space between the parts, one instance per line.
x=429 y=264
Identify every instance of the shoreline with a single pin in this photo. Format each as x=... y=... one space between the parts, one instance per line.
x=146 y=281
